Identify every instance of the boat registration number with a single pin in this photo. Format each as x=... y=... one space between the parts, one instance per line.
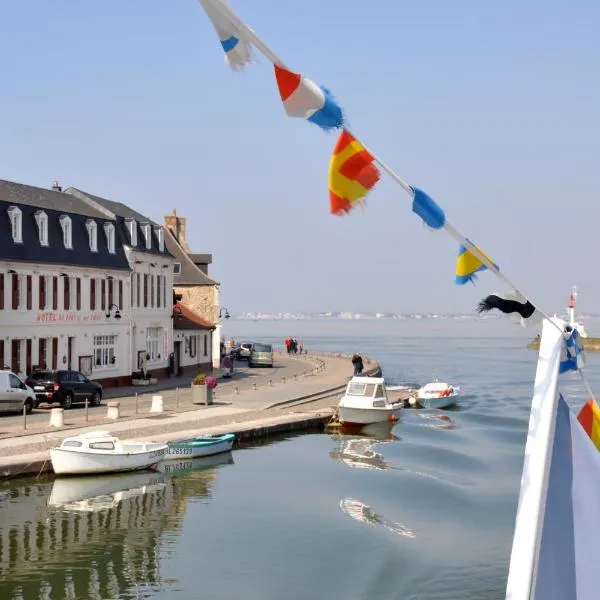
x=180 y=451
x=157 y=453
x=178 y=466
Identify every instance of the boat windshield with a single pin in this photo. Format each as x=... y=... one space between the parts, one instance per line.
x=361 y=389
x=379 y=393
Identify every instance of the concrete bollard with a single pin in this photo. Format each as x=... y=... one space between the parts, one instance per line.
x=270 y=382
x=158 y=404
x=254 y=385
x=295 y=377
x=57 y=417
x=113 y=409
x=283 y=379
x=236 y=390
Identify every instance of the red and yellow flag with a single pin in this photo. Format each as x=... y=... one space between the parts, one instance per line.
x=352 y=174
x=589 y=417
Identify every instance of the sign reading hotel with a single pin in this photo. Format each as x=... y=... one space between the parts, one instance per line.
x=67 y=317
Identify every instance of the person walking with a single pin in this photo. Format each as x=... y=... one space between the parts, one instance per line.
x=357 y=363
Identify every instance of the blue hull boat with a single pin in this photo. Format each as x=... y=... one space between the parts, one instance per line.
x=200 y=445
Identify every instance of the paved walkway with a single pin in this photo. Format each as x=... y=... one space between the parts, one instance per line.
x=257 y=402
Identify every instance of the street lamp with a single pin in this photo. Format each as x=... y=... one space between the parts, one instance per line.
x=117 y=314
x=223 y=312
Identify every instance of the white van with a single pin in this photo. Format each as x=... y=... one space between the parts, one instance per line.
x=14 y=394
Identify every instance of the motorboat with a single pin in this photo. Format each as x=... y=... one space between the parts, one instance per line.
x=200 y=445
x=437 y=394
x=365 y=401
x=100 y=452
x=185 y=466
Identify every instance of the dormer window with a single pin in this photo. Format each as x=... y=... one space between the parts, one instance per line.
x=16 y=222
x=109 y=230
x=132 y=228
x=41 y=218
x=147 y=235
x=92 y=229
x=65 y=223
x=160 y=234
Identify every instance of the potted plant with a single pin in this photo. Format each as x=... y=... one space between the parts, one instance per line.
x=137 y=378
x=202 y=389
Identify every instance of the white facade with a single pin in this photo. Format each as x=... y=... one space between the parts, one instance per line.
x=195 y=347
x=59 y=317
x=151 y=313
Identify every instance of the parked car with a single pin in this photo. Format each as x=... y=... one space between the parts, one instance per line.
x=261 y=355
x=15 y=393
x=241 y=352
x=64 y=387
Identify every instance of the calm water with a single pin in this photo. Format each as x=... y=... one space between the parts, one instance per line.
x=425 y=511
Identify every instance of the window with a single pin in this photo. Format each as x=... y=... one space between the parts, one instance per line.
x=109 y=230
x=111 y=284
x=132 y=228
x=103 y=294
x=16 y=219
x=164 y=283
x=176 y=268
x=145 y=290
x=92 y=229
x=42 y=353
x=205 y=345
x=92 y=294
x=41 y=218
x=120 y=294
x=71 y=444
x=16 y=291
x=67 y=293
x=2 y=295
x=15 y=382
x=77 y=293
x=42 y=292
x=193 y=346
x=102 y=446
x=158 y=286
x=104 y=351
x=54 y=294
x=160 y=234
x=153 y=342
x=151 y=291
x=138 y=288
x=65 y=223
x=147 y=235
x=29 y=291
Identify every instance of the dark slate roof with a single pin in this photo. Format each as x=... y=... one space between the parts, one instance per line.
x=18 y=193
x=190 y=274
x=55 y=253
x=122 y=213
x=186 y=318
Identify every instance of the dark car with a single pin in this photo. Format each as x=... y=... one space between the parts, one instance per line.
x=64 y=387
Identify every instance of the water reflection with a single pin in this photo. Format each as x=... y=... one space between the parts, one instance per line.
x=362 y=512
x=359 y=453
x=96 y=537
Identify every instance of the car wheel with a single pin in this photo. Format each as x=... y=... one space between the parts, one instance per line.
x=249 y=365
x=96 y=399
x=67 y=401
x=28 y=406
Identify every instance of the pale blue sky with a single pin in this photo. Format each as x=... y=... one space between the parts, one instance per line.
x=492 y=108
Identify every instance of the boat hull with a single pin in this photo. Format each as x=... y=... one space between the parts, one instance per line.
x=67 y=462
x=437 y=402
x=199 y=446
x=365 y=416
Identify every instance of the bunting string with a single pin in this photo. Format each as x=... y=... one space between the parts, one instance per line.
x=423 y=205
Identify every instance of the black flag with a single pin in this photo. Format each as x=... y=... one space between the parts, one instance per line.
x=510 y=303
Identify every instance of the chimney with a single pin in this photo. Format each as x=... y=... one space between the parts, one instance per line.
x=177 y=226
x=56 y=187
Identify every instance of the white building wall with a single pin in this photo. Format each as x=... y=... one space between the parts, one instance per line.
x=82 y=326
x=151 y=309
x=196 y=348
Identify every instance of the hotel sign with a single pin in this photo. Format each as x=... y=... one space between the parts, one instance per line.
x=67 y=317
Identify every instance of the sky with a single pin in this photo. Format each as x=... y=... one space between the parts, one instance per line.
x=491 y=108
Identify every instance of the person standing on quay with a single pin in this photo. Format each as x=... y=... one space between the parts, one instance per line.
x=357 y=363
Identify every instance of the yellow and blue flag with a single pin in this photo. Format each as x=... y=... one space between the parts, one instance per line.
x=467 y=265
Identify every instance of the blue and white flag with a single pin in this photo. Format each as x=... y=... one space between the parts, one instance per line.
x=568 y=556
x=572 y=356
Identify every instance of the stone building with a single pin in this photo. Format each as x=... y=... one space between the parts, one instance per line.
x=191 y=280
